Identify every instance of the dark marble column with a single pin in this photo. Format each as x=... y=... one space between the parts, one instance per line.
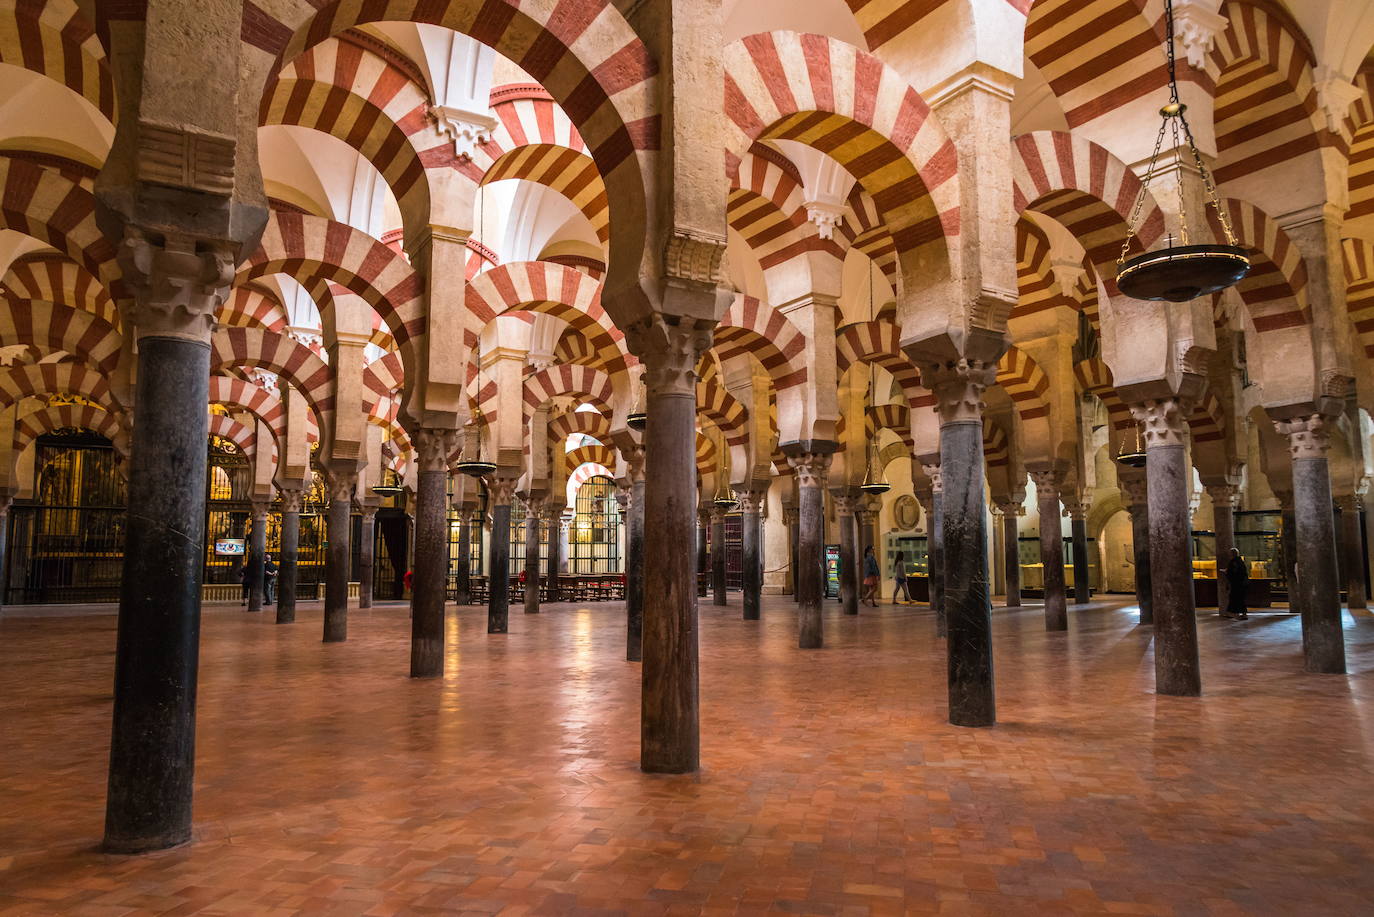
x=1288 y=540
x=791 y=519
x=718 y=596
x=811 y=468
x=342 y=485
x=1011 y=548
x=634 y=560
x=1051 y=548
x=1169 y=477
x=5 y=502
x=703 y=552
x=865 y=514
x=1077 y=511
x=290 y=552
x=750 y=502
x=1353 y=553
x=1318 y=586
x=256 y=553
x=534 y=511
x=463 y=580
x=500 y=488
x=429 y=573
x=367 y=561
x=670 y=738
x=935 y=548
x=1134 y=493
x=849 y=579
x=1224 y=525
x=553 y=517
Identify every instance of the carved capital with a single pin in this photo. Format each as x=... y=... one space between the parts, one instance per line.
x=932 y=471
x=845 y=503
x=467 y=129
x=751 y=500
x=290 y=499
x=534 y=506
x=634 y=462
x=553 y=513
x=433 y=446
x=1046 y=483
x=694 y=258
x=343 y=485
x=790 y=515
x=260 y=509
x=177 y=282
x=500 y=489
x=1077 y=510
x=670 y=351
x=1133 y=491
x=1197 y=24
x=1309 y=436
x=1012 y=508
x=865 y=516
x=811 y=468
x=1223 y=495
x=624 y=497
x=369 y=512
x=958 y=388
x=1164 y=420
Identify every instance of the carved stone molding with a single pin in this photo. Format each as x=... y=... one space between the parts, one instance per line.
x=959 y=388
x=694 y=258
x=343 y=485
x=1046 y=482
x=177 y=283
x=1309 y=436
x=1197 y=24
x=1224 y=494
x=811 y=468
x=290 y=499
x=172 y=155
x=670 y=352
x=500 y=488
x=433 y=446
x=1164 y=421
x=825 y=215
x=865 y=516
x=467 y=129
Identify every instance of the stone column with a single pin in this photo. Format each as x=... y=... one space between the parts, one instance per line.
x=749 y=503
x=553 y=517
x=1224 y=525
x=256 y=553
x=1356 y=600
x=5 y=502
x=849 y=579
x=1288 y=540
x=367 y=561
x=718 y=556
x=176 y=286
x=703 y=553
x=1077 y=511
x=1134 y=493
x=1011 y=549
x=864 y=517
x=968 y=606
x=791 y=519
x=429 y=570
x=935 y=548
x=499 y=491
x=464 y=578
x=1177 y=671
x=534 y=510
x=811 y=469
x=670 y=739
x=1318 y=587
x=1051 y=548
x=634 y=554
x=342 y=485
x=290 y=552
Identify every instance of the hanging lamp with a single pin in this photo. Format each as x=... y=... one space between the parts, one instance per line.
x=875 y=477
x=476 y=466
x=1134 y=457
x=725 y=497
x=1178 y=273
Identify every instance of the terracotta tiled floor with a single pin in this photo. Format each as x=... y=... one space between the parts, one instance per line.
x=329 y=783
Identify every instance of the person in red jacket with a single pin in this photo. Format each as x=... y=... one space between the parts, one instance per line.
x=405 y=580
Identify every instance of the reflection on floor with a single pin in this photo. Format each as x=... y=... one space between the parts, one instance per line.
x=329 y=782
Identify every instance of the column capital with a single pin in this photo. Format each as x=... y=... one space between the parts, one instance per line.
x=1309 y=435
x=433 y=446
x=290 y=499
x=553 y=512
x=369 y=512
x=865 y=516
x=751 y=500
x=1223 y=494
x=791 y=515
x=633 y=454
x=1164 y=421
x=534 y=505
x=811 y=468
x=932 y=471
x=845 y=502
x=500 y=488
x=1012 y=508
x=1349 y=503
x=1047 y=481
x=716 y=515
x=260 y=508
x=624 y=497
x=1077 y=510
x=178 y=282
x=670 y=350
x=958 y=386
x=343 y=484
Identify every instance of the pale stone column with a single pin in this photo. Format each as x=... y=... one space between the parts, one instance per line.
x=718 y=596
x=670 y=738
x=1051 y=548
x=811 y=469
x=342 y=486
x=1317 y=587
x=367 y=561
x=257 y=550
x=534 y=510
x=290 y=551
x=1177 y=671
x=429 y=572
x=1077 y=511
x=1355 y=598
x=1012 y=510
x=750 y=502
x=634 y=554
x=1135 y=494
x=1224 y=525
x=500 y=489
x=968 y=607
x=935 y=547
x=849 y=579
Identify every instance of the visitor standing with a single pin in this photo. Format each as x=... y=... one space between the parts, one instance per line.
x=872 y=576
x=1237 y=580
x=269 y=579
x=899 y=576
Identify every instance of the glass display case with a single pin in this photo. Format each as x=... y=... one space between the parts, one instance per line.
x=1259 y=536
x=1033 y=571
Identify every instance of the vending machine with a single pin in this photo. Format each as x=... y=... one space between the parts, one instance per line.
x=832 y=571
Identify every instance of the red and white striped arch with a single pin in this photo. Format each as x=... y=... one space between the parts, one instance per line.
x=50 y=277
x=250 y=306
x=831 y=96
x=579 y=382
x=384 y=376
x=588 y=455
x=766 y=206
x=41 y=203
x=1025 y=382
x=1359 y=290
x=724 y=410
x=241 y=435
x=581 y=475
x=53 y=417
x=895 y=417
x=36 y=379
x=54 y=38
x=59 y=328
x=247 y=348
x=750 y=326
x=879 y=342
x=1359 y=127
x=1275 y=290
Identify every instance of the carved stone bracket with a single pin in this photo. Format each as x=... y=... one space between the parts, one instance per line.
x=624 y=498
x=1309 y=436
x=811 y=468
x=534 y=507
x=694 y=258
x=177 y=283
x=958 y=388
x=433 y=446
x=1164 y=421
x=670 y=352
x=790 y=515
x=1012 y=509
x=1077 y=510
x=1197 y=23
x=750 y=501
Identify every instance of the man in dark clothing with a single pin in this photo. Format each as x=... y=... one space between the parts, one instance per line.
x=269 y=579
x=1237 y=579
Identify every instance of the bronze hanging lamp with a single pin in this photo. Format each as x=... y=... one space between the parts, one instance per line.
x=476 y=466
x=875 y=476
x=1178 y=273
x=638 y=420
x=1133 y=457
x=725 y=497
